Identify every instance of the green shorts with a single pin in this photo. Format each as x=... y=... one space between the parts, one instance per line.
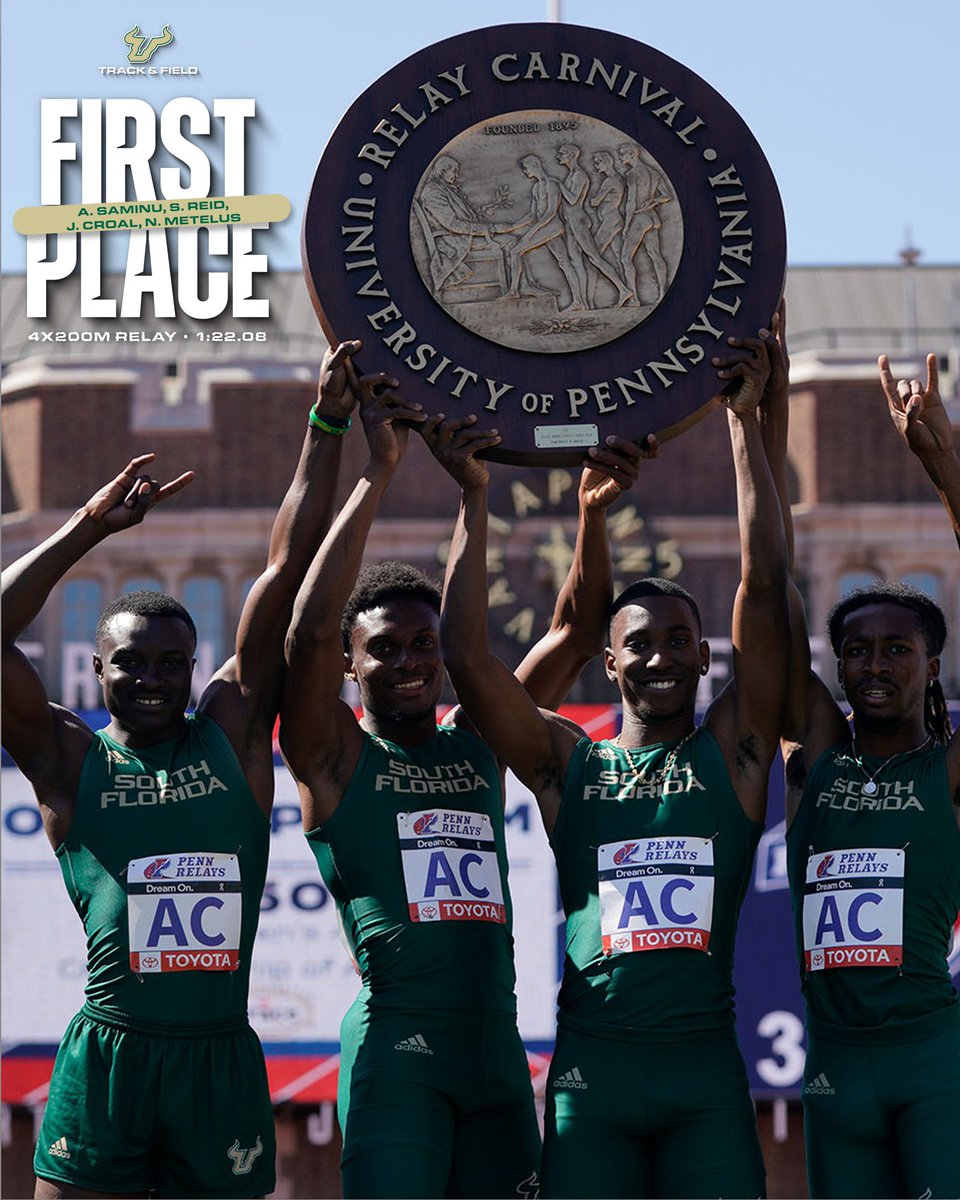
x=882 y=1119
x=631 y=1118
x=436 y=1104
x=181 y=1116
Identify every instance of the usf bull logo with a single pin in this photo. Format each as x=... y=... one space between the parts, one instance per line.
x=243 y=1160
x=143 y=49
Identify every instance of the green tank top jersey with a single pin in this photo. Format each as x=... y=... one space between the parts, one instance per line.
x=654 y=853
x=875 y=879
x=415 y=858
x=165 y=862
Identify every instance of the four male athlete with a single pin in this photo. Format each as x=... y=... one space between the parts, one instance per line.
x=653 y=833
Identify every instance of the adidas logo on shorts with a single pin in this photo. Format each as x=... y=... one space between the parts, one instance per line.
x=417 y=1044
x=572 y=1079
x=59 y=1149
x=819 y=1087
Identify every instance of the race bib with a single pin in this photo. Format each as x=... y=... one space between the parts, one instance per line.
x=853 y=909
x=450 y=867
x=656 y=894
x=184 y=912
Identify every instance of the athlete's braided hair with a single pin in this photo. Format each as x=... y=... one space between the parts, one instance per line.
x=932 y=626
x=144 y=603
x=381 y=582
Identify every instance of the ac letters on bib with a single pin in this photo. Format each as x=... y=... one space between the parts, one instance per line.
x=656 y=894
x=450 y=866
x=853 y=909
x=184 y=912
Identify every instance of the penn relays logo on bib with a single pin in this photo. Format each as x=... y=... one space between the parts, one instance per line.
x=626 y=853
x=156 y=869
x=425 y=824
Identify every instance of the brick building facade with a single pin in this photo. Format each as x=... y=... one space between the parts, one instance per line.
x=73 y=413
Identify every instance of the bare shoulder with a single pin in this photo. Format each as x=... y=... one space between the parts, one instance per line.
x=824 y=725
x=564 y=735
x=563 y=725
x=323 y=776
x=237 y=709
x=325 y=764
x=547 y=779
x=54 y=773
x=56 y=758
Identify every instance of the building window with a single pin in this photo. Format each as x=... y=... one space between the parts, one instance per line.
x=924 y=581
x=142 y=583
x=82 y=605
x=851 y=580
x=203 y=600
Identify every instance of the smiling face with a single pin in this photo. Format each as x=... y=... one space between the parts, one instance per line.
x=396 y=662
x=145 y=666
x=656 y=657
x=884 y=667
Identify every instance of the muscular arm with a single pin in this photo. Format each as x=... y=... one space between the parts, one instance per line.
x=244 y=696
x=46 y=741
x=811 y=721
x=578 y=628
x=920 y=418
x=319 y=734
x=746 y=717
x=535 y=745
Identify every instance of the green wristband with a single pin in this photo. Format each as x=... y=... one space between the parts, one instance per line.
x=338 y=426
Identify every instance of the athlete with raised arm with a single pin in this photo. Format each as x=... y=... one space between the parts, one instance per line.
x=654 y=834
x=161 y=825
x=873 y=850
x=405 y=818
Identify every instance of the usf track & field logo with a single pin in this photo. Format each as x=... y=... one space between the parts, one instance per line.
x=143 y=49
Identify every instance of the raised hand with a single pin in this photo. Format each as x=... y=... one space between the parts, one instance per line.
x=916 y=411
x=609 y=470
x=746 y=371
x=385 y=414
x=455 y=443
x=774 y=406
x=335 y=396
x=776 y=342
x=127 y=499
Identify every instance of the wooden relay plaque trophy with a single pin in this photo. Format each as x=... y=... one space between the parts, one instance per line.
x=553 y=227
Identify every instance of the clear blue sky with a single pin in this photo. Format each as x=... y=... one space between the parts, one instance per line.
x=854 y=102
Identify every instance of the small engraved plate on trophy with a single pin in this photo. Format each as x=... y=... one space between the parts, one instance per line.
x=556 y=437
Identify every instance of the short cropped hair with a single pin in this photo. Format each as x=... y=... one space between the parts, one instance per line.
x=652 y=587
x=379 y=583
x=930 y=619
x=144 y=604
